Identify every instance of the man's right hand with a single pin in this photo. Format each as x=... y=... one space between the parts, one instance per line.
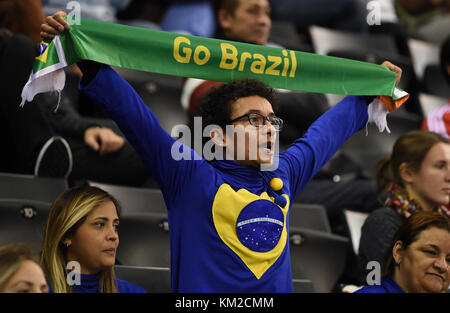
x=103 y=140
x=54 y=25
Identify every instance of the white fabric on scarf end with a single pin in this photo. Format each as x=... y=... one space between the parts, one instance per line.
x=53 y=81
x=377 y=114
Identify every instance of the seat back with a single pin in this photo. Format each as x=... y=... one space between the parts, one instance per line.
x=366 y=150
x=303 y=286
x=430 y=103
x=17 y=186
x=152 y=279
x=355 y=221
x=423 y=54
x=373 y=48
x=317 y=256
x=23 y=220
x=310 y=216
x=434 y=81
x=144 y=240
x=135 y=200
x=326 y=40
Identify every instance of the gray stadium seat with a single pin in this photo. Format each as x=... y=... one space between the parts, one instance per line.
x=367 y=150
x=144 y=240
x=303 y=286
x=317 y=256
x=430 y=103
x=423 y=54
x=374 y=48
x=326 y=40
x=434 y=81
x=135 y=200
x=285 y=34
x=310 y=216
x=17 y=186
x=152 y=279
x=23 y=220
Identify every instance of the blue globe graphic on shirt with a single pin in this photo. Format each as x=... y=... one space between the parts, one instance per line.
x=259 y=225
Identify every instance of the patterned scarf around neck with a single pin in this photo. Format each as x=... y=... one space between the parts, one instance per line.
x=399 y=199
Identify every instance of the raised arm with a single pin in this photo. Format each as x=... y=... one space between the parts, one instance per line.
x=325 y=136
x=141 y=127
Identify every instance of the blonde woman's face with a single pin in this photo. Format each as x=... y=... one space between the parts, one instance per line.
x=425 y=264
x=29 y=278
x=95 y=242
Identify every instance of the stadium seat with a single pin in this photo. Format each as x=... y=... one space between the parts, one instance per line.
x=367 y=150
x=354 y=222
x=326 y=40
x=28 y=187
x=135 y=200
x=317 y=256
x=422 y=54
x=144 y=240
x=285 y=34
x=303 y=286
x=373 y=48
x=152 y=279
x=430 y=103
x=310 y=216
x=434 y=81
x=23 y=220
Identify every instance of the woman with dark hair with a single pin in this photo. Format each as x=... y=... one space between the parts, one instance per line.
x=416 y=177
x=418 y=259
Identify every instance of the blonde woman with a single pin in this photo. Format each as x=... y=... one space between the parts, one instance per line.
x=20 y=271
x=82 y=228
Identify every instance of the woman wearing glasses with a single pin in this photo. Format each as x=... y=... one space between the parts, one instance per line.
x=228 y=216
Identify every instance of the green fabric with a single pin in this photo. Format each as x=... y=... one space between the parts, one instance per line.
x=218 y=60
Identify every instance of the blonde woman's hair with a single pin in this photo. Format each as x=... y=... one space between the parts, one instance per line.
x=11 y=258
x=68 y=212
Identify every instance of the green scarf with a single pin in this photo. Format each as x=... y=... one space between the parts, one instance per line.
x=205 y=58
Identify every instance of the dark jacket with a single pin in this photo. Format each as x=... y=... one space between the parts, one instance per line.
x=377 y=234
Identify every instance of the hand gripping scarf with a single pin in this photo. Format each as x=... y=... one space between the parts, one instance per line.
x=211 y=59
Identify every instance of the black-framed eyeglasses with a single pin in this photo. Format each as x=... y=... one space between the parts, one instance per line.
x=259 y=120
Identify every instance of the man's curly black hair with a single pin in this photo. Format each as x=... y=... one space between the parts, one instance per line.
x=215 y=106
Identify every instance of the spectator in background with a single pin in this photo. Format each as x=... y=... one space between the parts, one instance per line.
x=428 y=20
x=347 y=15
x=10 y=10
x=416 y=177
x=194 y=17
x=438 y=121
x=418 y=259
x=47 y=143
x=102 y=10
x=82 y=226
x=20 y=271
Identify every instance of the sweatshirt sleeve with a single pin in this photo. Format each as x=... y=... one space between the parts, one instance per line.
x=307 y=155
x=66 y=121
x=158 y=150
